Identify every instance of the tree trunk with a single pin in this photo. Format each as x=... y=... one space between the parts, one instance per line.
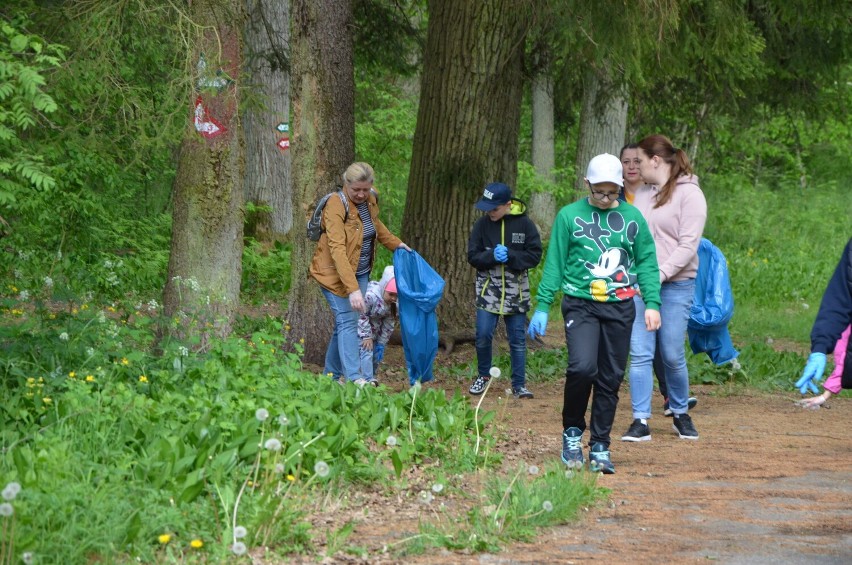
x=323 y=100
x=603 y=122
x=466 y=136
x=543 y=204
x=205 y=264
x=266 y=119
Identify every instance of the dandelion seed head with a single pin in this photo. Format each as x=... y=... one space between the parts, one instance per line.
x=547 y=506
x=426 y=497
x=495 y=372
x=391 y=441
x=64 y=336
x=27 y=557
x=6 y=510
x=48 y=282
x=273 y=444
x=321 y=468
x=437 y=487
x=283 y=420
x=261 y=414
x=532 y=470
x=11 y=491
x=279 y=468
x=239 y=548
x=240 y=532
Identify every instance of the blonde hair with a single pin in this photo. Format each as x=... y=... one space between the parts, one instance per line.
x=358 y=172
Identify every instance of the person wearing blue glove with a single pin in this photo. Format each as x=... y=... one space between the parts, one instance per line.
x=376 y=324
x=601 y=251
x=833 y=318
x=503 y=244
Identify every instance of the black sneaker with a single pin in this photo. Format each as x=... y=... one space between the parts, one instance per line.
x=684 y=427
x=479 y=385
x=637 y=432
x=572 y=448
x=599 y=460
x=691 y=403
x=522 y=392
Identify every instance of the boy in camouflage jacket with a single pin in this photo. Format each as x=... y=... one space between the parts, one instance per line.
x=503 y=245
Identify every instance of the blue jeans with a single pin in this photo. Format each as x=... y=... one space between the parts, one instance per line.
x=676 y=300
x=341 y=357
x=516 y=325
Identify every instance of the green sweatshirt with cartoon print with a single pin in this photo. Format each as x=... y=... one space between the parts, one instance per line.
x=600 y=255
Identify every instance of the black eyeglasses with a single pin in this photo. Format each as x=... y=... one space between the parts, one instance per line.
x=601 y=195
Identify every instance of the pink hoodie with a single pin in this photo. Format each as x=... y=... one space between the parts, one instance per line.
x=832 y=383
x=677 y=227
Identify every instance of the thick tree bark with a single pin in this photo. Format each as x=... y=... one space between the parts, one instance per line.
x=466 y=136
x=266 y=118
x=543 y=204
x=603 y=122
x=323 y=145
x=205 y=264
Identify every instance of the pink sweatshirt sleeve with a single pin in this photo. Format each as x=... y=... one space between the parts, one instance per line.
x=832 y=383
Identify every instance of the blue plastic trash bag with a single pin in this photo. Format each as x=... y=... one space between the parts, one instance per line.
x=420 y=290
x=712 y=306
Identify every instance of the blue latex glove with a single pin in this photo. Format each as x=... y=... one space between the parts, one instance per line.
x=378 y=353
x=501 y=253
x=538 y=324
x=813 y=372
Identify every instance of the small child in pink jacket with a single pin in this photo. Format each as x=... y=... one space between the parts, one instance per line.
x=832 y=383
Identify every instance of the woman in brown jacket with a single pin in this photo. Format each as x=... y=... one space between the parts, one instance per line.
x=342 y=263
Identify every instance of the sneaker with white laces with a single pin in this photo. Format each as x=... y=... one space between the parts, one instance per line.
x=691 y=403
x=479 y=385
x=684 y=427
x=599 y=460
x=522 y=392
x=572 y=448
x=637 y=432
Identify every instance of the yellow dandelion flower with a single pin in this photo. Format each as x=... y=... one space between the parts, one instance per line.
x=196 y=544
x=74 y=310
x=124 y=361
x=90 y=379
x=72 y=374
x=143 y=379
x=110 y=309
x=302 y=340
x=164 y=538
x=14 y=288
x=291 y=478
x=84 y=307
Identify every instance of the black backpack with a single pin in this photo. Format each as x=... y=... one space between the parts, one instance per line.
x=314 y=229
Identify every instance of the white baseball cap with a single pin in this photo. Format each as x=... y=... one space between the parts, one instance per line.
x=605 y=168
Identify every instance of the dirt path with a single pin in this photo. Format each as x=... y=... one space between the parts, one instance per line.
x=767 y=482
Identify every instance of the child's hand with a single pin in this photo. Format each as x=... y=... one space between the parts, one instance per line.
x=813 y=372
x=652 y=320
x=367 y=344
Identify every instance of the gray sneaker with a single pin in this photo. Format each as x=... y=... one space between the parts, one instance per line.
x=522 y=392
x=572 y=448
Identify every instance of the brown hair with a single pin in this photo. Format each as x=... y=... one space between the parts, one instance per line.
x=662 y=147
